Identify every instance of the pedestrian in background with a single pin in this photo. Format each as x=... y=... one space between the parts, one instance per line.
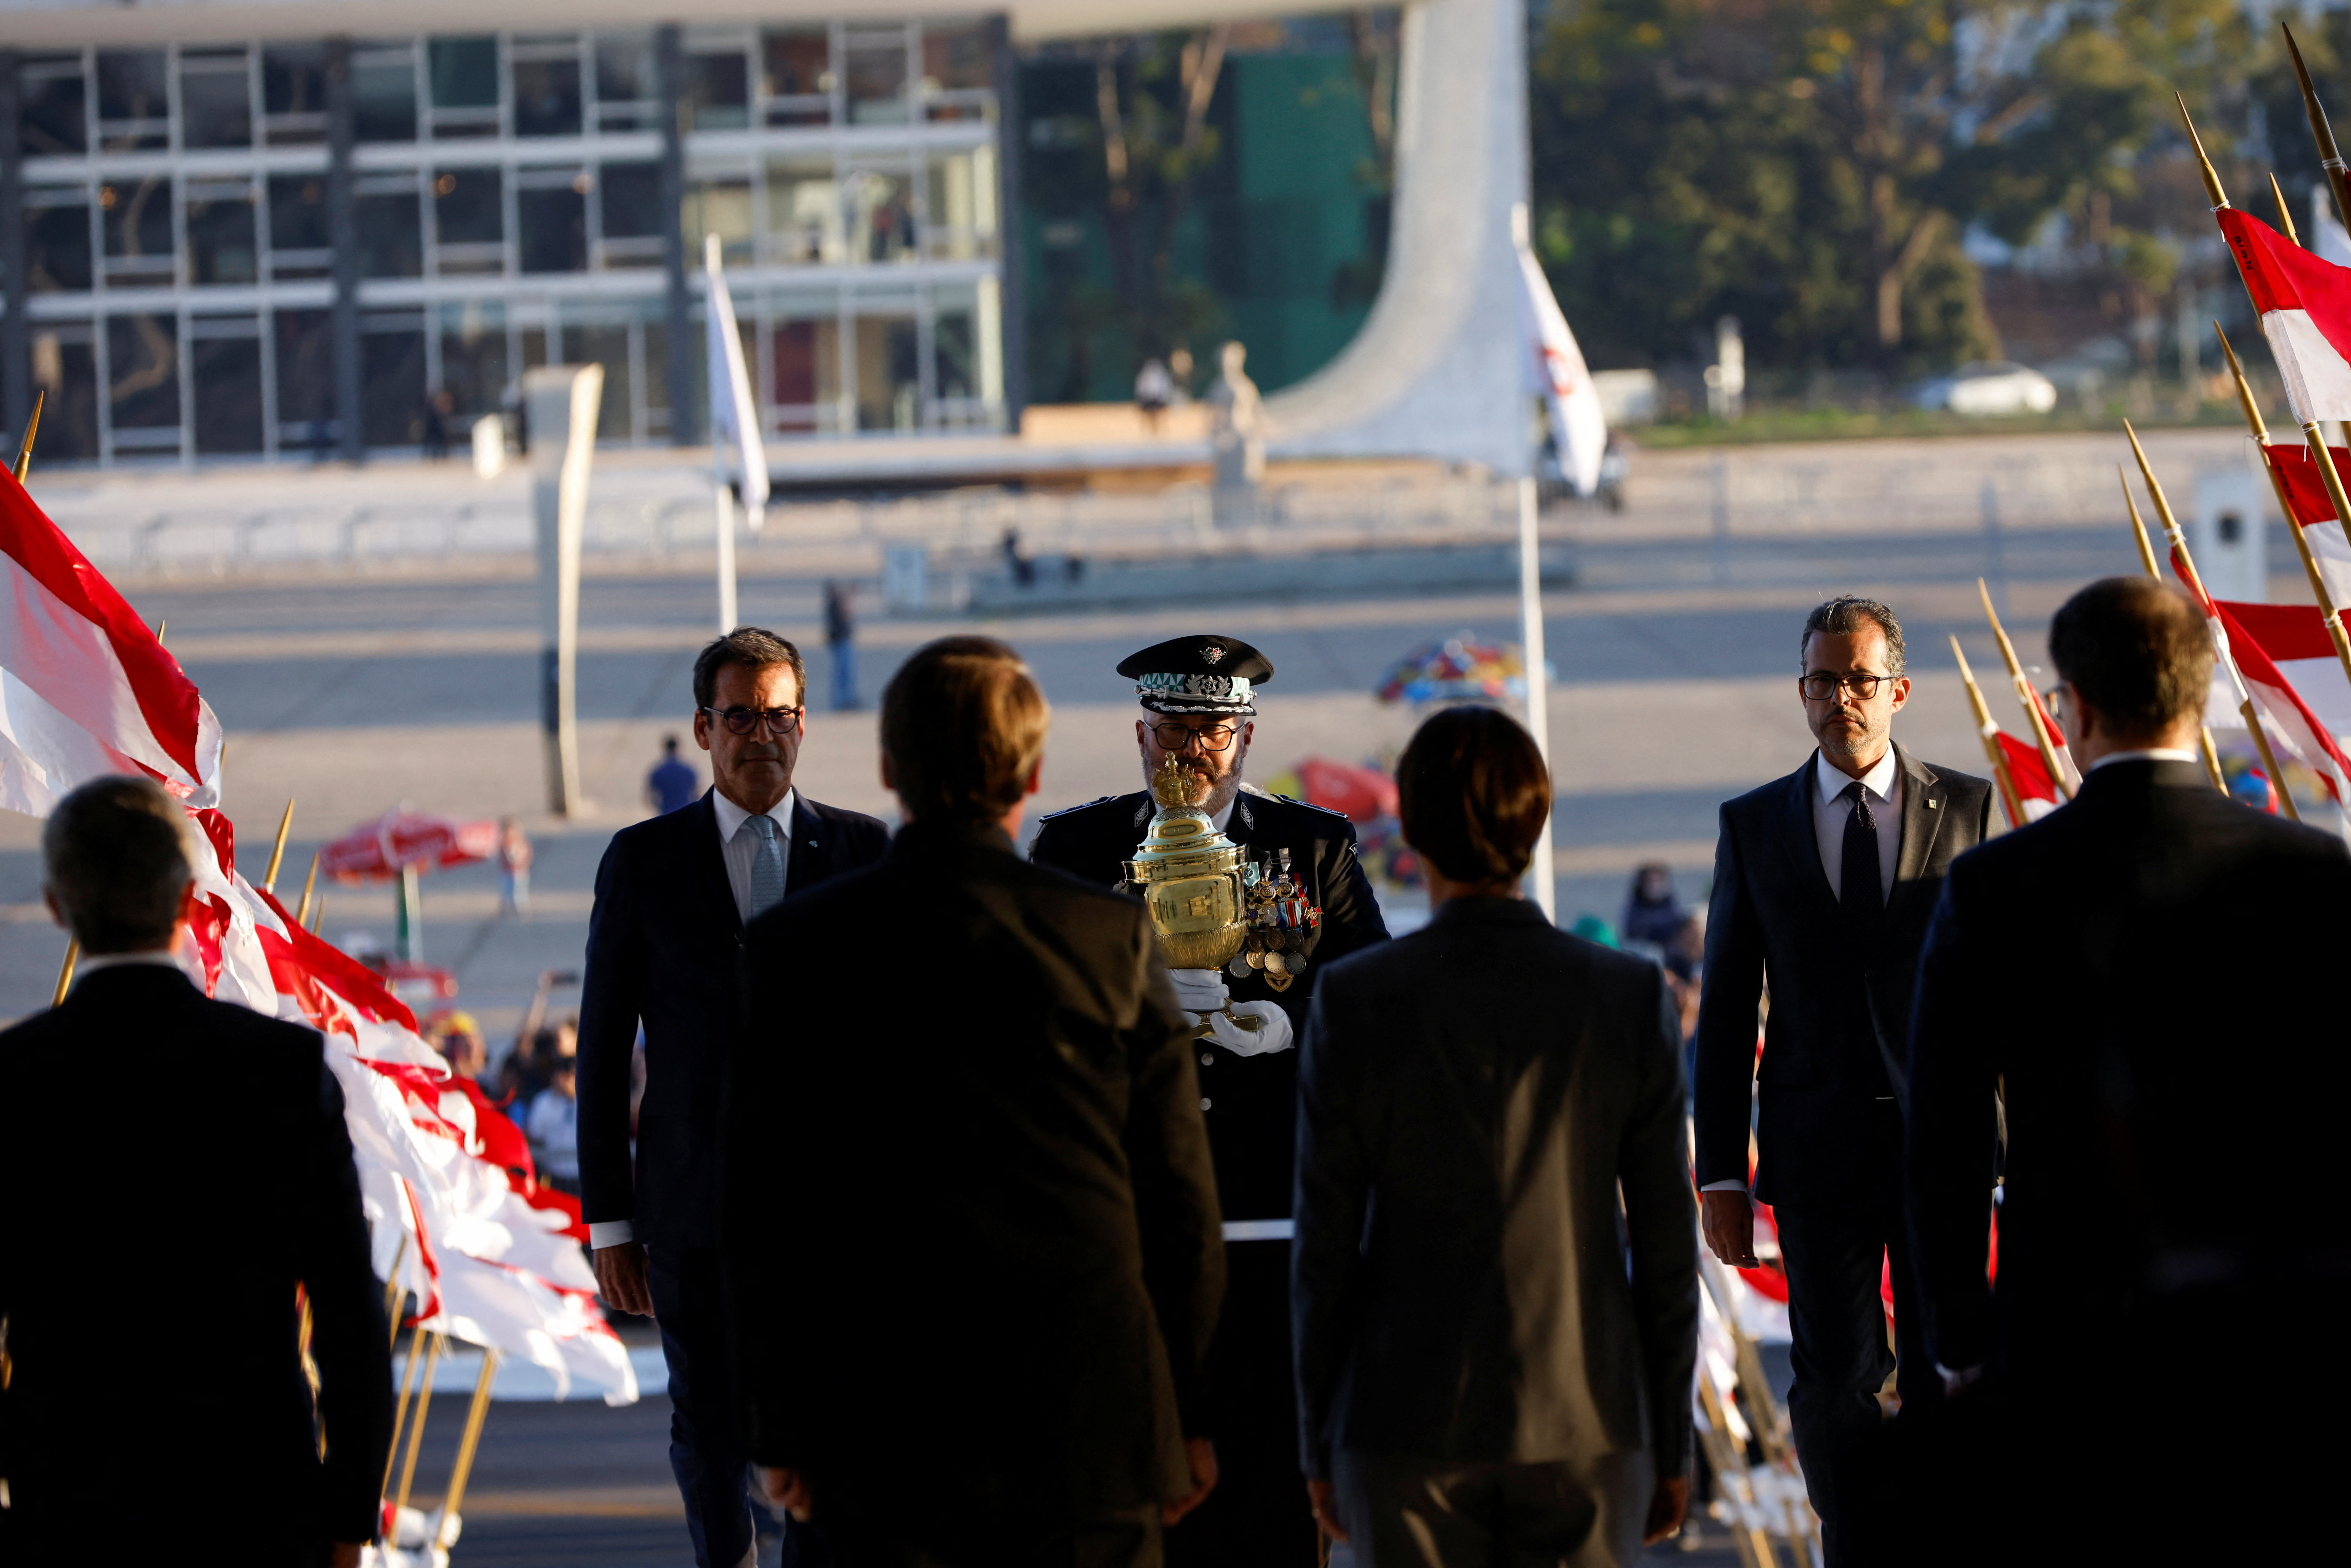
x=840 y=638
x=513 y=867
x=1652 y=912
x=554 y=1126
x=672 y=784
x=1154 y=390
x=1488 y=1372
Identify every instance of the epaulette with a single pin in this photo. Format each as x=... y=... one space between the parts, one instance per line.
x=1068 y=811
x=1309 y=805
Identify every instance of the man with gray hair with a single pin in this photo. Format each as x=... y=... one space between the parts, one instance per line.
x=97 y=1383
x=1824 y=881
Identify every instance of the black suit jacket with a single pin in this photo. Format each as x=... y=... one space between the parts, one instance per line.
x=2150 y=970
x=663 y=944
x=1473 y=1097
x=1252 y=1100
x=973 y=1245
x=158 y=1147
x=1835 y=1039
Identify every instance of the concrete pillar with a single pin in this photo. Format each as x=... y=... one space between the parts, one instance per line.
x=343 y=236
x=1010 y=152
x=669 y=66
x=15 y=336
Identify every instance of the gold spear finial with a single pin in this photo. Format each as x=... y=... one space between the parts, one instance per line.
x=2010 y=800
x=2245 y=393
x=2139 y=528
x=277 y=851
x=2285 y=214
x=32 y=424
x=2203 y=163
x=2025 y=696
x=2330 y=158
x=2172 y=534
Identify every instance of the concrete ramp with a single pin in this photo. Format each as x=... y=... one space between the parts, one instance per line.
x=1437 y=370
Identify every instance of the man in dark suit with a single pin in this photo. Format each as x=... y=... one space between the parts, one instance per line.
x=1199 y=700
x=2146 y=974
x=98 y=1128
x=673 y=898
x=971 y=1231
x=1488 y=1372
x=1822 y=883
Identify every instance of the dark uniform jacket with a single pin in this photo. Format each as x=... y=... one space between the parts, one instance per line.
x=1836 y=1041
x=1473 y=1100
x=973 y=1245
x=662 y=944
x=171 y=1168
x=1252 y=1100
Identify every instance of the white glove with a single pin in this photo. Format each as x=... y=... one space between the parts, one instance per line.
x=1199 y=990
x=1274 y=1035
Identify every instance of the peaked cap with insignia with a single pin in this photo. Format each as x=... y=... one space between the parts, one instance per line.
x=1199 y=673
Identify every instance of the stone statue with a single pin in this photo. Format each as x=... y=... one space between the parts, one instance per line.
x=1236 y=427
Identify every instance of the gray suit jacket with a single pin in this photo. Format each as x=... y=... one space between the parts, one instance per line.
x=1472 y=1099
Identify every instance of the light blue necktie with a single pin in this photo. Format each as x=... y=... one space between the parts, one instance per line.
x=766 y=866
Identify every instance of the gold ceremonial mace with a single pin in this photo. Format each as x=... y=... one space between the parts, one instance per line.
x=2277 y=484
x=2024 y=695
x=2179 y=542
x=2147 y=559
x=2009 y=798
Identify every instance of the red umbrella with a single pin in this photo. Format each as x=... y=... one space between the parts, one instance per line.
x=382 y=848
x=1361 y=794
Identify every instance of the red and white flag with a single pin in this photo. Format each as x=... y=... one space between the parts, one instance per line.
x=85 y=688
x=2313 y=510
x=2034 y=792
x=86 y=691
x=2304 y=302
x=2297 y=684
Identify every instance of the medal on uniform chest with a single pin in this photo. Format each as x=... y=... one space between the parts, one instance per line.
x=1281 y=919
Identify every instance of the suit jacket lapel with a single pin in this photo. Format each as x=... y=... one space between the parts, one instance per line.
x=706 y=853
x=811 y=856
x=1802 y=840
x=1924 y=807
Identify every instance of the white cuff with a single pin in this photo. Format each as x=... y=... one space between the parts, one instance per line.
x=603 y=1233
x=1710 y=1186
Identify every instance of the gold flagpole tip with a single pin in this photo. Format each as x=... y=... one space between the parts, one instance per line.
x=32 y=427
x=2203 y=162
x=2285 y=214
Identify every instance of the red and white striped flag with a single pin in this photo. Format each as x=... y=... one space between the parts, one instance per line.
x=2297 y=683
x=2312 y=510
x=2304 y=302
x=86 y=690
x=2031 y=775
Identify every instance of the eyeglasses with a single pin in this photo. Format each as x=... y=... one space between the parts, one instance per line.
x=1821 y=688
x=1176 y=737
x=744 y=720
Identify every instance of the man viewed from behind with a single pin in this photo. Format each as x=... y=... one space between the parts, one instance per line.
x=228 y=1416
x=2148 y=973
x=1822 y=883
x=1486 y=1374
x=973 y=1241
x=673 y=898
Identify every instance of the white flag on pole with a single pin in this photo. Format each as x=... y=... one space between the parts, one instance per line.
x=734 y=412
x=1555 y=368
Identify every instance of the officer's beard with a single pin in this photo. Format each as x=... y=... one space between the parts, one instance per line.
x=1220 y=771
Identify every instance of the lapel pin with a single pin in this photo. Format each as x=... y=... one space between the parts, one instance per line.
x=1932 y=802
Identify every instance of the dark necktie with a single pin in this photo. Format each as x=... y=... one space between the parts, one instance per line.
x=1859 y=891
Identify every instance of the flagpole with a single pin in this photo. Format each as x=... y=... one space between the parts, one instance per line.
x=475 y=1415
x=416 y=1430
x=2329 y=157
x=2024 y=694
x=711 y=264
x=2293 y=525
x=391 y=1295
x=1530 y=640
x=2146 y=558
x=2186 y=564
x=277 y=851
x=2010 y=800
x=2285 y=214
x=32 y=425
x=302 y=910
x=407 y=1382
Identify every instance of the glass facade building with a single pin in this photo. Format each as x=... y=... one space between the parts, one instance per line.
x=273 y=248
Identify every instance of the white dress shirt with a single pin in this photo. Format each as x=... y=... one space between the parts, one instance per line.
x=2152 y=754
x=1829 y=815
x=741 y=845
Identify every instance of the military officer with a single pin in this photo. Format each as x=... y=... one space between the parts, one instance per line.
x=1198 y=696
